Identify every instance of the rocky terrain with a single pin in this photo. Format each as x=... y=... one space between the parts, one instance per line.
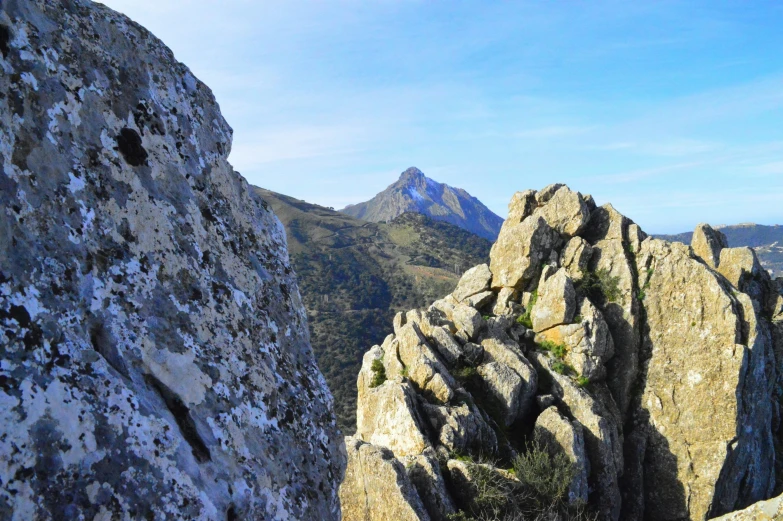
x=766 y=240
x=355 y=275
x=414 y=192
x=155 y=354
x=588 y=371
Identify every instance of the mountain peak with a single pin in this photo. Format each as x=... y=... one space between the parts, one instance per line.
x=412 y=174
x=415 y=192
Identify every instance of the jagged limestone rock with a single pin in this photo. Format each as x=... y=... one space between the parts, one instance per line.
x=386 y=416
x=769 y=510
x=545 y=194
x=475 y=280
x=589 y=343
x=602 y=435
x=510 y=377
x=463 y=317
x=516 y=256
x=479 y=300
x=521 y=206
x=504 y=304
x=566 y=212
x=554 y=433
x=556 y=302
x=424 y=472
x=608 y=232
x=707 y=243
x=462 y=429
x=697 y=370
x=155 y=354
x=423 y=366
x=575 y=257
x=376 y=486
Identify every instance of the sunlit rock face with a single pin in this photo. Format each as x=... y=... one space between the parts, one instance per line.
x=155 y=356
x=652 y=366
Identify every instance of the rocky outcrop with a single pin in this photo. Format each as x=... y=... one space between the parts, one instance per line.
x=653 y=369
x=155 y=353
x=770 y=510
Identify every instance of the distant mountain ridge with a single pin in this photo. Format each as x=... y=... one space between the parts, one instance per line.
x=766 y=240
x=415 y=192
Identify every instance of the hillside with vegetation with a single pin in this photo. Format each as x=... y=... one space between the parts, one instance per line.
x=355 y=275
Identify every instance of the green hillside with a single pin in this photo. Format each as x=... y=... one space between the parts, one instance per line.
x=355 y=275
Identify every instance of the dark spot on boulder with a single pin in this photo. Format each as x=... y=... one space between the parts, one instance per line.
x=20 y=314
x=5 y=38
x=130 y=146
x=231 y=514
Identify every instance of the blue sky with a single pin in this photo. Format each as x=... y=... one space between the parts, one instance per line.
x=671 y=111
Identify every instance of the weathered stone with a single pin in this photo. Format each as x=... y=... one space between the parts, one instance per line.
x=556 y=302
x=476 y=280
x=589 y=343
x=517 y=255
x=376 y=486
x=703 y=447
x=479 y=300
x=473 y=353
x=522 y=392
x=769 y=510
x=505 y=302
x=742 y=268
x=505 y=387
x=635 y=237
x=399 y=321
x=448 y=348
x=565 y=212
x=424 y=368
x=608 y=234
x=575 y=257
x=557 y=435
x=155 y=352
x=546 y=193
x=386 y=416
x=707 y=243
x=521 y=206
x=602 y=435
x=464 y=317
x=424 y=472
x=462 y=429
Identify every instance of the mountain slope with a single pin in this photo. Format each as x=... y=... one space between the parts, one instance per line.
x=766 y=240
x=414 y=192
x=354 y=275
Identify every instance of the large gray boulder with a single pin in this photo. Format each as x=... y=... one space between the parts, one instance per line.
x=516 y=256
x=707 y=243
x=565 y=211
x=556 y=302
x=555 y=434
x=155 y=352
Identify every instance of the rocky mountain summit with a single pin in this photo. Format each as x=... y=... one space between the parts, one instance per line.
x=414 y=192
x=587 y=370
x=155 y=354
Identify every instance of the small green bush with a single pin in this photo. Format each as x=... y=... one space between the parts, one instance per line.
x=562 y=368
x=582 y=381
x=465 y=373
x=558 y=350
x=548 y=476
x=578 y=319
x=525 y=319
x=600 y=285
x=378 y=373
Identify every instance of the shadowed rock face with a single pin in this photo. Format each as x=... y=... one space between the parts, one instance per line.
x=651 y=365
x=155 y=357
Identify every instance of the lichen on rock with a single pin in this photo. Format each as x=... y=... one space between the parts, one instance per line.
x=155 y=354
